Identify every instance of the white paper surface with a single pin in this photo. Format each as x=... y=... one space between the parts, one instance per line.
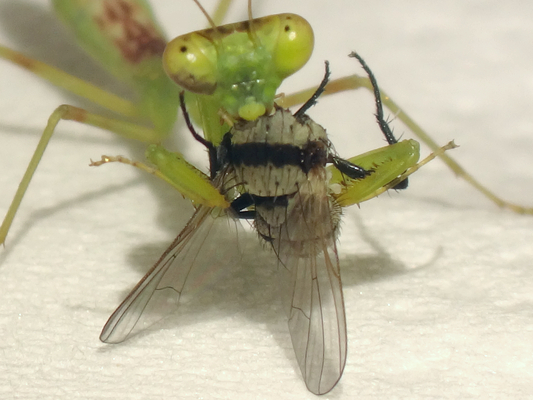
x=438 y=281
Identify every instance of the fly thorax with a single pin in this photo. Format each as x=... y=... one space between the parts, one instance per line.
x=273 y=155
x=303 y=224
x=272 y=213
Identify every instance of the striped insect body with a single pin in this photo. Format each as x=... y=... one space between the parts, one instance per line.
x=280 y=161
x=273 y=154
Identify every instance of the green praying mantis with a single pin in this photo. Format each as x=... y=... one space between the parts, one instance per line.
x=214 y=112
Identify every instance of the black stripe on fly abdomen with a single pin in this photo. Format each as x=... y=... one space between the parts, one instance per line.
x=279 y=155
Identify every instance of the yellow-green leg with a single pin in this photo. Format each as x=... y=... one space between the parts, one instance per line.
x=353 y=82
x=182 y=175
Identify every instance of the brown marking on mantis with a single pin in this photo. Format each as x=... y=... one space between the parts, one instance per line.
x=135 y=36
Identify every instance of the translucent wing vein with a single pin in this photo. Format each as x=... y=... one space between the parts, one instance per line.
x=161 y=288
x=317 y=321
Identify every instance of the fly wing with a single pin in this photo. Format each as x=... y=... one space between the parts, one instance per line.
x=161 y=288
x=317 y=320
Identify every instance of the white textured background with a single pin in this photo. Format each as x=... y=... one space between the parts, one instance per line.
x=438 y=281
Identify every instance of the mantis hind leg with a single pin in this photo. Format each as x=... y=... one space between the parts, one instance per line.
x=123 y=128
x=68 y=112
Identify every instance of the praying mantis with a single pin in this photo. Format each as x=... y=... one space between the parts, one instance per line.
x=321 y=104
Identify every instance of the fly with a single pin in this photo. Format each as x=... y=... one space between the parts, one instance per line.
x=274 y=171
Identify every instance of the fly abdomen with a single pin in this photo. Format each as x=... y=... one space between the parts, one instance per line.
x=280 y=161
x=273 y=155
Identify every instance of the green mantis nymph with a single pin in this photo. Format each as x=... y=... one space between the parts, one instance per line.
x=212 y=125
